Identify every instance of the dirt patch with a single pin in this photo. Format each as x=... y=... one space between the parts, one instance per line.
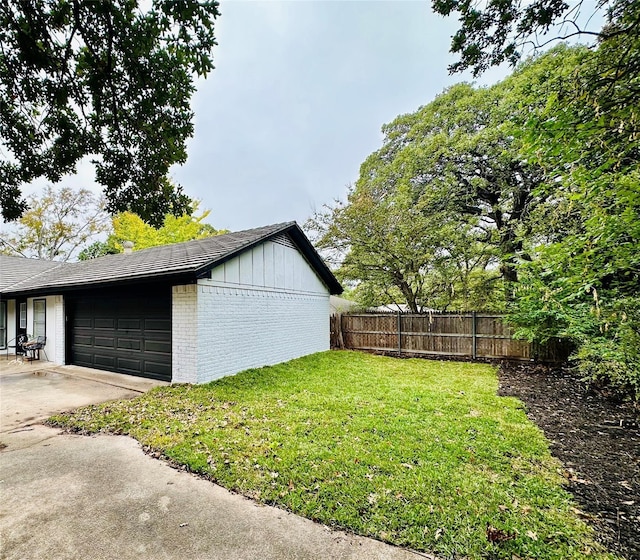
x=597 y=440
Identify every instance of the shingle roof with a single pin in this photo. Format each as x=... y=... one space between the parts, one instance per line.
x=192 y=258
x=14 y=269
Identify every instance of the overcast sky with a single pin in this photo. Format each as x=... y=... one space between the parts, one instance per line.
x=297 y=99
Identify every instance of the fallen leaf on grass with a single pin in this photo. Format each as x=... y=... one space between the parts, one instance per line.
x=496 y=535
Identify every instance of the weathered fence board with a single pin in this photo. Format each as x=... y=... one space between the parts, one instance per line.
x=470 y=335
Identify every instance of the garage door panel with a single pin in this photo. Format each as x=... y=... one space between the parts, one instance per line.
x=157 y=325
x=128 y=365
x=130 y=344
x=83 y=359
x=129 y=324
x=82 y=340
x=157 y=346
x=101 y=360
x=104 y=342
x=128 y=334
x=158 y=368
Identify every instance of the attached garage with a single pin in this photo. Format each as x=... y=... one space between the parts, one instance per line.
x=127 y=333
x=187 y=312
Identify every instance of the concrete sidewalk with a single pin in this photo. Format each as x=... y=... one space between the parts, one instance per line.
x=75 y=497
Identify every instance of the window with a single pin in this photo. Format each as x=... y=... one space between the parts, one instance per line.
x=23 y=315
x=39 y=317
x=3 y=324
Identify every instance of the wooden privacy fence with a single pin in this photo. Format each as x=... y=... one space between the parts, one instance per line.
x=466 y=335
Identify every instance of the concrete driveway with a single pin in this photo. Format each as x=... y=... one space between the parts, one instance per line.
x=64 y=496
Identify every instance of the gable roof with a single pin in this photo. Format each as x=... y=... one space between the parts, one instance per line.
x=187 y=261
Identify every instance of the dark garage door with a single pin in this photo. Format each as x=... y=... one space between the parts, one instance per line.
x=126 y=332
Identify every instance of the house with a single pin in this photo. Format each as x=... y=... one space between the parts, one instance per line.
x=342 y=305
x=188 y=312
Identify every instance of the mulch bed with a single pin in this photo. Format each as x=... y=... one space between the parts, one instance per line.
x=596 y=438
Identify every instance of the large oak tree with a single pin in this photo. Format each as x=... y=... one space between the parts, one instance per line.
x=583 y=282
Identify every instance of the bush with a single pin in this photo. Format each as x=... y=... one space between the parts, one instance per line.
x=605 y=366
x=613 y=359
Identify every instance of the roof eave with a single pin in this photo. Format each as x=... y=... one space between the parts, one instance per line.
x=181 y=277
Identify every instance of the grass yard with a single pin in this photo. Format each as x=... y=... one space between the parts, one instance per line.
x=418 y=453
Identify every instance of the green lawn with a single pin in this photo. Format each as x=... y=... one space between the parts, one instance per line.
x=418 y=453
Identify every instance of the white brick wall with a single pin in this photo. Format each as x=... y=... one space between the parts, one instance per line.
x=58 y=350
x=184 y=320
x=240 y=328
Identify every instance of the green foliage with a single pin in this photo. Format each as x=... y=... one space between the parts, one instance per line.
x=56 y=225
x=128 y=226
x=396 y=251
x=95 y=250
x=584 y=282
x=417 y=453
x=497 y=31
x=613 y=367
x=109 y=80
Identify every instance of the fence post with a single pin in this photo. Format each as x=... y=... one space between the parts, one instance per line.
x=399 y=333
x=474 y=343
x=340 y=330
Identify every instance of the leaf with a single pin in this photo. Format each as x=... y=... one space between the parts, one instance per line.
x=495 y=535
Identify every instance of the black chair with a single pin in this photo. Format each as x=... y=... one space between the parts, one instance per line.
x=19 y=342
x=33 y=348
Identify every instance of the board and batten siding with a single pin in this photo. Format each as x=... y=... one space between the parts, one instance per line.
x=274 y=264
x=263 y=307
